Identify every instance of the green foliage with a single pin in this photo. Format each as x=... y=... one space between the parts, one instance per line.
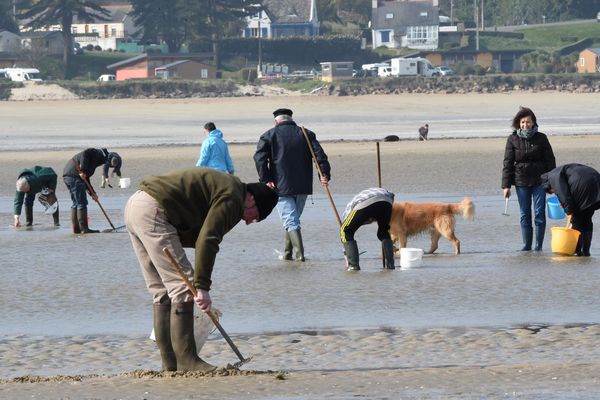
x=307 y=51
x=43 y=13
x=90 y=65
x=6 y=86
x=144 y=88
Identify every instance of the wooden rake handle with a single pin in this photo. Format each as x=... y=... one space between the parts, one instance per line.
x=312 y=153
x=210 y=314
x=92 y=191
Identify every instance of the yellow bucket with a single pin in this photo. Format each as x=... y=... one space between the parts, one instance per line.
x=564 y=240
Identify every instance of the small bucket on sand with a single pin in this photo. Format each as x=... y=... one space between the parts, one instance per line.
x=410 y=258
x=124 y=183
x=555 y=210
x=564 y=240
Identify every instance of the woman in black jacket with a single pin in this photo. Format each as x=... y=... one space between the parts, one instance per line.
x=577 y=187
x=527 y=156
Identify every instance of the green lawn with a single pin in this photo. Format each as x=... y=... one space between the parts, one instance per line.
x=549 y=38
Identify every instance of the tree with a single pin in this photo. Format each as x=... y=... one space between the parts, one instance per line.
x=169 y=21
x=44 y=13
x=6 y=16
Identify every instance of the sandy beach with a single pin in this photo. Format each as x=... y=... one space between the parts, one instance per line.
x=532 y=361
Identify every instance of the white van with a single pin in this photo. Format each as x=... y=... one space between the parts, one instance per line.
x=23 y=74
x=384 y=71
x=106 y=78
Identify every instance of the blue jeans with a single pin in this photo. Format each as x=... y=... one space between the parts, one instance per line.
x=77 y=189
x=526 y=194
x=290 y=209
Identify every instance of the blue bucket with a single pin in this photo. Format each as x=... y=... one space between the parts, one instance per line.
x=555 y=210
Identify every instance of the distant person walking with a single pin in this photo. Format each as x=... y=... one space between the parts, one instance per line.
x=284 y=162
x=214 y=152
x=527 y=156
x=423 y=132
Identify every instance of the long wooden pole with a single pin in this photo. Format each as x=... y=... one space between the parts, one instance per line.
x=312 y=153
x=92 y=191
x=379 y=184
x=210 y=314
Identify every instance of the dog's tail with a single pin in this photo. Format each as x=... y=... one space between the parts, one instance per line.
x=465 y=207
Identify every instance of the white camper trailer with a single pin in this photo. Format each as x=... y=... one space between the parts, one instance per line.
x=23 y=74
x=412 y=66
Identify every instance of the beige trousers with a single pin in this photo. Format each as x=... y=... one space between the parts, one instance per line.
x=150 y=231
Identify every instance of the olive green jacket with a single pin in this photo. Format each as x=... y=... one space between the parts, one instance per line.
x=203 y=205
x=38 y=178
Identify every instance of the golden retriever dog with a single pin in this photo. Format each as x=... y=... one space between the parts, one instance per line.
x=410 y=219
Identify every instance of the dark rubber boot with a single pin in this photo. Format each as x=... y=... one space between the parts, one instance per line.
x=540 y=231
x=82 y=218
x=388 y=253
x=587 y=243
x=527 y=233
x=75 y=221
x=296 y=239
x=162 y=333
x=28 y=216
x=351 y=253
x=287 y=248
x=182 y=338
x=55 y=217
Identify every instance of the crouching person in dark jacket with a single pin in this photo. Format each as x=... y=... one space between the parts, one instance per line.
x=193 y=207
x=374 y=204
x=30 y=182
x=577 y=187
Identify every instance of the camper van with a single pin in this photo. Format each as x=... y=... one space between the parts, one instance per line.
x=412 y=66
x=23 y=74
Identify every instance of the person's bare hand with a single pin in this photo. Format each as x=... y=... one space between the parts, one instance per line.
x=203 y=300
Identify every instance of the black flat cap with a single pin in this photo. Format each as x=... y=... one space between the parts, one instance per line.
x=282 y=111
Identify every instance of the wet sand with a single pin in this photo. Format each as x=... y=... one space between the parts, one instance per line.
x=534 y=362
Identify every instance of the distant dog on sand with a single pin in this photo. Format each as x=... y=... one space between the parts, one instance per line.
x=409 y=219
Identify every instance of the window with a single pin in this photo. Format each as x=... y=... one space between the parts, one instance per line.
x=73 y=29
x=385 y=36
x=204 y=73
x=389 y=16
x=582 y=62
x=113 y=31
x=423 y=14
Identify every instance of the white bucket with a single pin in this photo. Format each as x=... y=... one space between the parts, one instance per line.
x=124 y=183
x=410 y=258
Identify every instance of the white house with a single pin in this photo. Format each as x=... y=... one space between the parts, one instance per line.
x=105 y=34
x=405 y=23
x=284 y=18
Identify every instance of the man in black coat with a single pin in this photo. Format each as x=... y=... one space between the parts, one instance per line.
x=82 y=166
x=577 y=187
x=284 y=162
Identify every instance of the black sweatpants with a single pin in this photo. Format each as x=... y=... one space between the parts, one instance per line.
x=380 y=211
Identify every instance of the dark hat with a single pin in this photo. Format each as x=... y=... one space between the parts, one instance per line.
x=265 y=198
x=282 y=111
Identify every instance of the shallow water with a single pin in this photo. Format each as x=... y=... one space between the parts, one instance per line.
x=57 y=284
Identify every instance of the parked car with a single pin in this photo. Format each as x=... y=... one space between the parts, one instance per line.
x=106 y=78
x=443 y=70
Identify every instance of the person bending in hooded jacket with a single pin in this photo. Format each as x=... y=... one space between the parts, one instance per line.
x=30 y=182
x=577 y=187
x=214 y=152
x=527 y=156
